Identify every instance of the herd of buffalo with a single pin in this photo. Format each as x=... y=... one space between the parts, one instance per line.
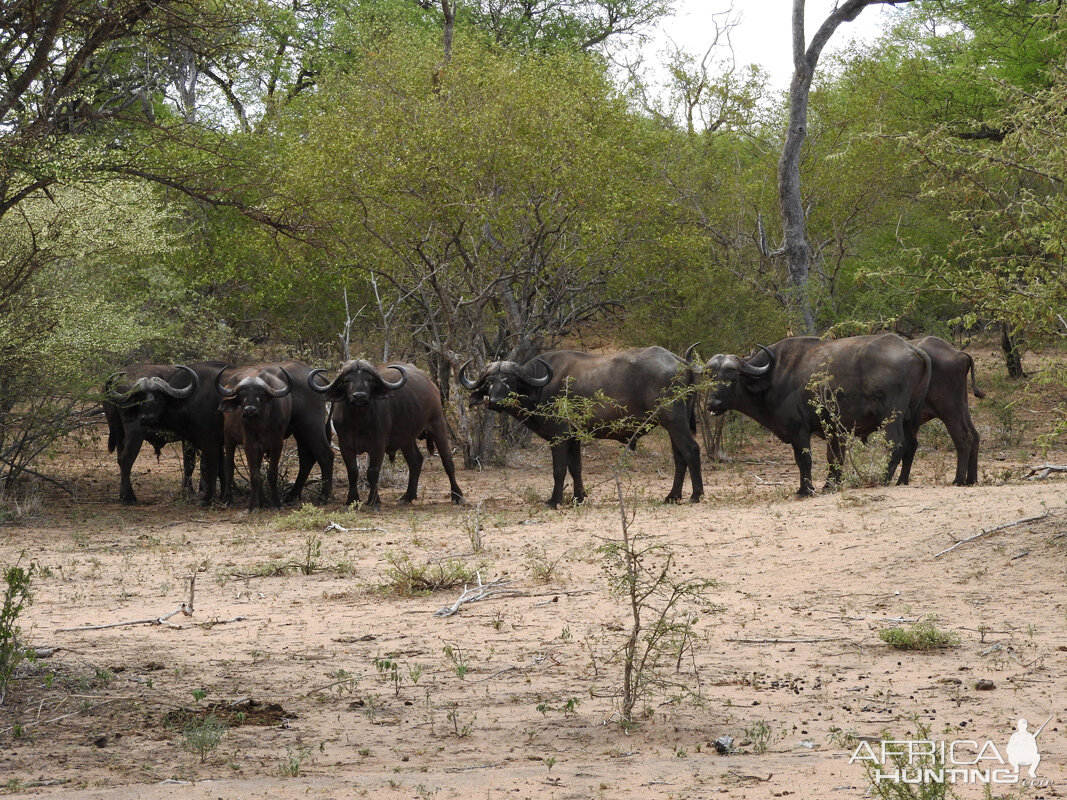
x=878 y=382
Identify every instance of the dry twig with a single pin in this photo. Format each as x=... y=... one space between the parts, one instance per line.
x=988 y=531
x=475 y=593
x=1042 y=472
x=184 y=608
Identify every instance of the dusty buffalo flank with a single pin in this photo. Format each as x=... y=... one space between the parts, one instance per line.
x=328 y=683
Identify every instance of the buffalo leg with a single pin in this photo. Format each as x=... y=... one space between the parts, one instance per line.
x=274 y=462
x=898 y=439
x=127 y=455
x=965 y=439
x=227 y=472
x=559 y=473
x=574 y=464
x=323 y=455
x=972 y=457
x=254 y=457
x=686 y=453
x=306 y=460
x=210 y=462
x=911 y=446
x=414 y=459
x=188 y=467
x=351 y=459
x=802 y=455
x=374 y=470
x=437 y=435
x=835 y=458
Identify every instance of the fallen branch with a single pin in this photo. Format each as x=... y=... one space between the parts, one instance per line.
x=988 y=531
x=1045 y=470
x=790 y=641
x=333 y=526
x=184 y=608
x=475 y=593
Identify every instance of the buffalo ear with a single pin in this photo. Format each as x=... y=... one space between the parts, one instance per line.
x=335 y=394
x=229 y=404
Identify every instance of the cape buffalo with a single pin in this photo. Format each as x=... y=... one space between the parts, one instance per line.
x=262 y=406
x=870 y=380
x=947 y=400
x=158 y=403
x=630 y=392
x=377 y=413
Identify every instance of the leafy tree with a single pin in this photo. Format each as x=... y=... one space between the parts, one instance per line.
x=495 y=204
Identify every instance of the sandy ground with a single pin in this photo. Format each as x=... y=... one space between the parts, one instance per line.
x=515 y=696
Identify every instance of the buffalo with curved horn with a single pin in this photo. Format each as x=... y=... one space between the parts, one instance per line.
x=374 y=413
x=161 y=403
x=629 y=393
x=262 y=406
x=874 y=381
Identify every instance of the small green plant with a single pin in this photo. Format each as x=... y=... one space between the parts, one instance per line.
x=203 y=736
x=542 y=567
x=458 y=659
x=925 y=763
x=199 y=694
x=16 y=597
x=312 y=553
x=1007 y=426
x=760 y=735
x=406 y=579
x=661 y=628
x=460 y=729
x=922 y=635
x=862 y=463
x=292 y=762
x=390 y=670
x=473 y=526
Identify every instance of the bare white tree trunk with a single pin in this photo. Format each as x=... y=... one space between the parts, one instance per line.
x=795 y=245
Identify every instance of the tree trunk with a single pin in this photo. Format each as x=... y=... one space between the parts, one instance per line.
x=795 y=245
x=1013 y=356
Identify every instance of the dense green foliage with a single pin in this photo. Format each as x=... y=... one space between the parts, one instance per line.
x=243 y=178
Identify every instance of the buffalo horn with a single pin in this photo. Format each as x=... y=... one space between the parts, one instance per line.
x=537 y=382
x=396 y=384
x=321 y=387
x=464 y=381
x=223 y=390
x=689 y=352
x=285 y=389
x=188 y=390
x=748 y=369
x=109 y=385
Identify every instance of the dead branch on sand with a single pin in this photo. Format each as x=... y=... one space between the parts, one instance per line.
x=988 y=531
x=1042 y=472
x=473 y=594
x=184 y=608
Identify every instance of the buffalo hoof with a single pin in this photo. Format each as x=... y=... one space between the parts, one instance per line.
x=672 y=498
x=404 y=500
x=696 y=498
x=457 y=499
x=369 y=506
x=553 y=504
x=806 y=491
x=830 y=487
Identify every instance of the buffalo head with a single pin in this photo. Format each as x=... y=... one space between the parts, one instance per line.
x=251 y=391
x=145 y=399
x=501 y=379
x=728 y=374
x=357 y=383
